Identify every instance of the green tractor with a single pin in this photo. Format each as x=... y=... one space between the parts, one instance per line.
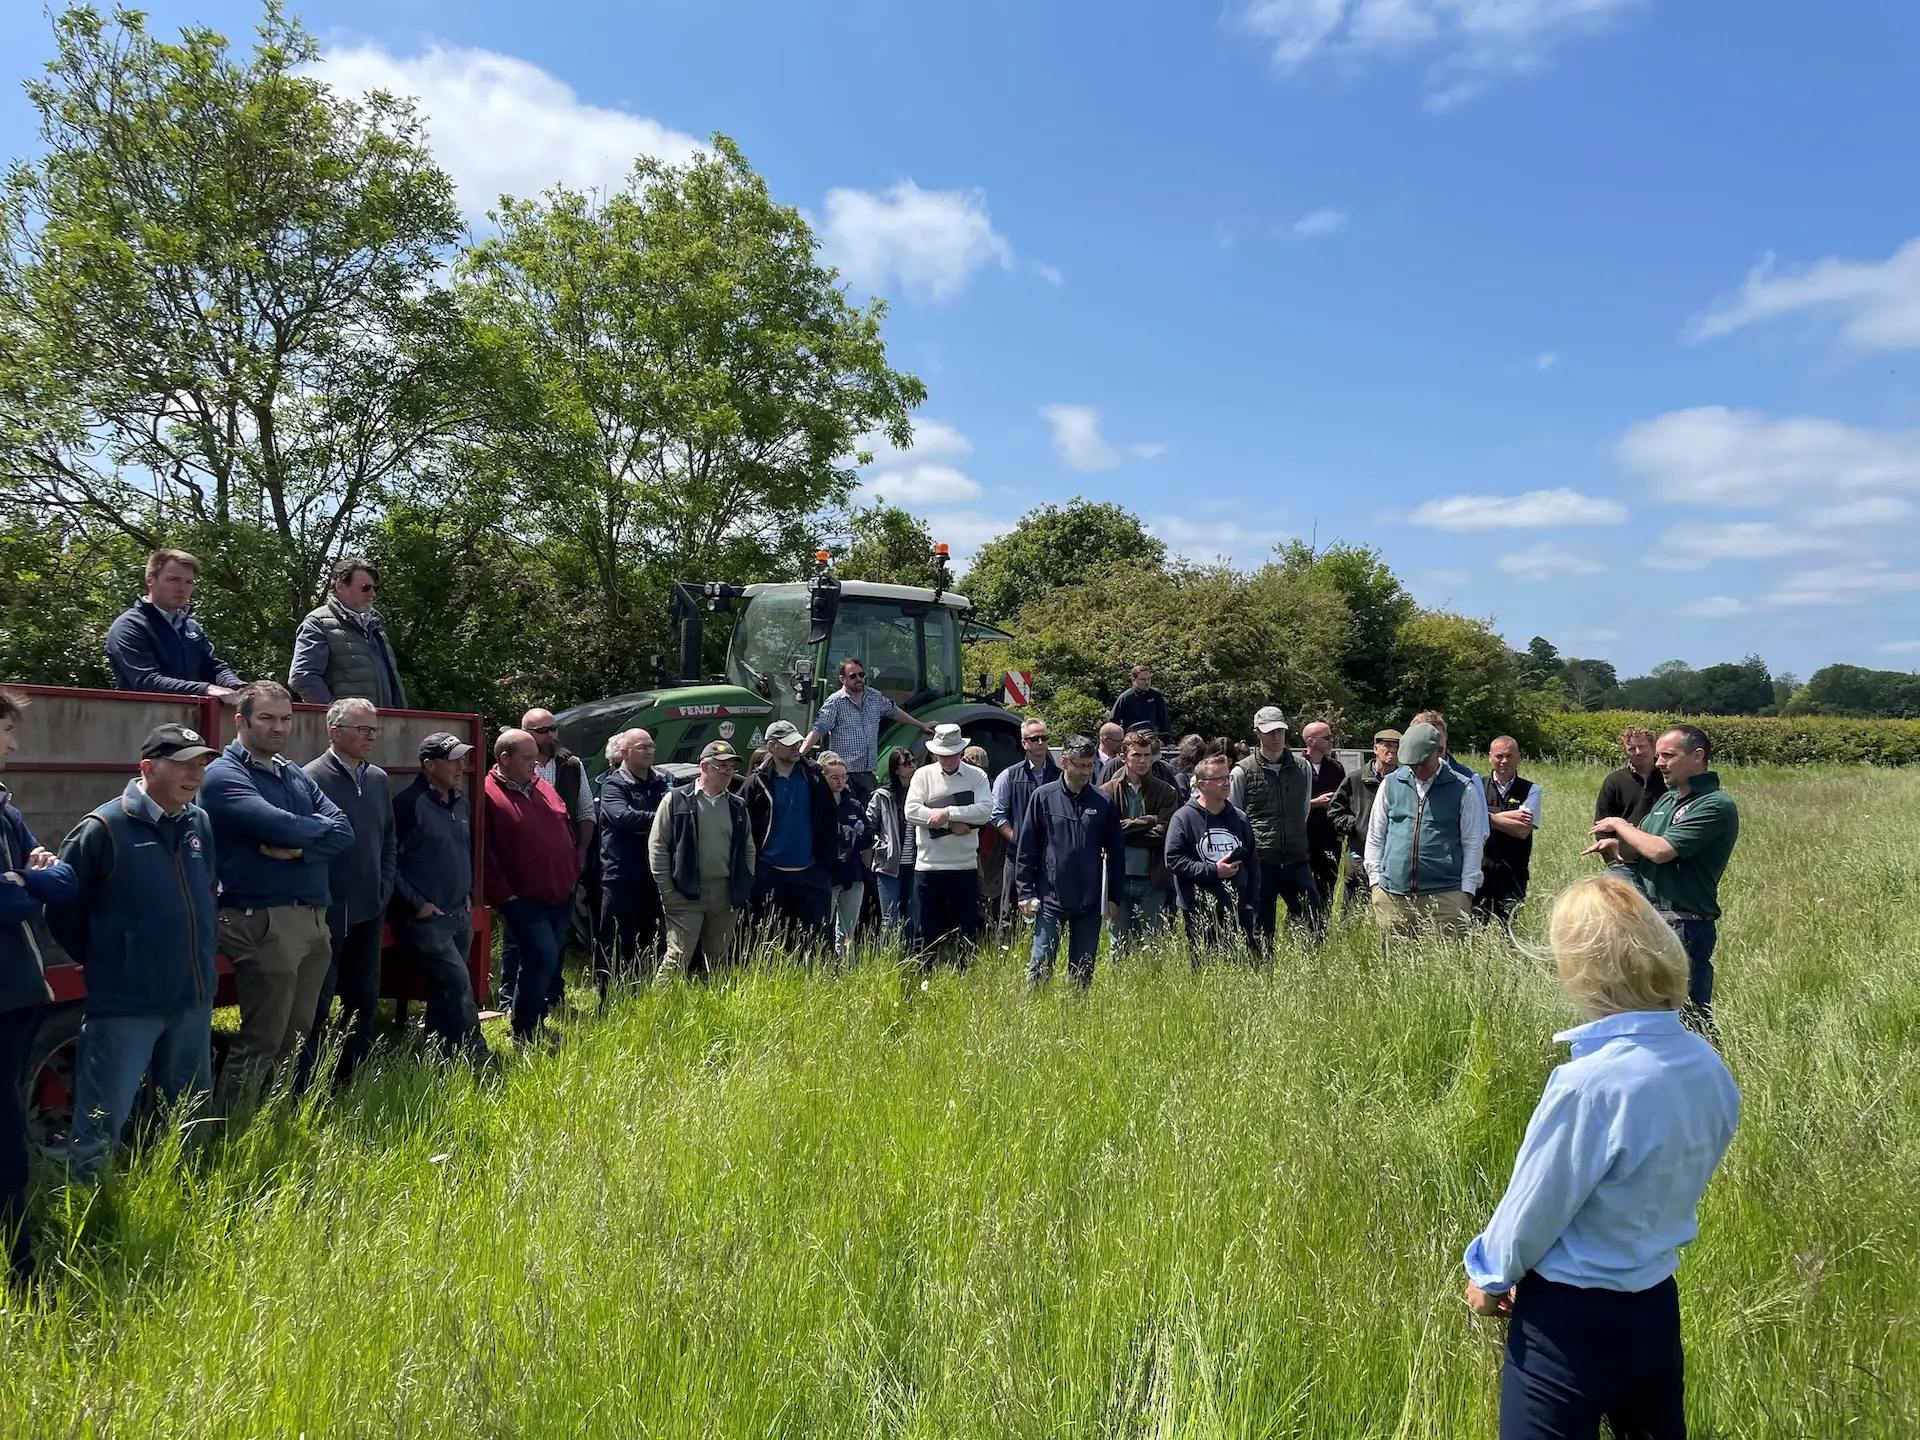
x=783 y=660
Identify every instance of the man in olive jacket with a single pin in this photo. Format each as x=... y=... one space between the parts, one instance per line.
x=1274 y=788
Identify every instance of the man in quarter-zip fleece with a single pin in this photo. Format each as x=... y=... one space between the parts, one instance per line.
x=142 y=923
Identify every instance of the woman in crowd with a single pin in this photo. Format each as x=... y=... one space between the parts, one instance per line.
x=849 y=878
x=893 y=841
x=1192 y=747
x=1581 y=1253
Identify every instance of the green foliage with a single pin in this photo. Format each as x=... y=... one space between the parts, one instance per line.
x=1742 y=689
x=1740 y=739
x=1852 y=690
x=1368 y=651
x=888 y=546
x=1226 y=1203
x=1458 y=666
x=59 y=591
x=1056 y=545
x=1222 y=644
x=217 y=288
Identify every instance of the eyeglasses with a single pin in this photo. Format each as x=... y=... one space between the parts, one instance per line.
x=365 y=732
x=541 y=729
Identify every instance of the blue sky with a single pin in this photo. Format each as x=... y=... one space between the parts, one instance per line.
x=1593 y=315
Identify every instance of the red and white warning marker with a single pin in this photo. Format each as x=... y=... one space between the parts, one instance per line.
x=1017 y=686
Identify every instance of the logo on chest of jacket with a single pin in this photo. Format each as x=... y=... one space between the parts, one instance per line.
x=193 y=846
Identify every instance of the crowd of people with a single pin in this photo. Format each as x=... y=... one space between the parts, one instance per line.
x=295 y=872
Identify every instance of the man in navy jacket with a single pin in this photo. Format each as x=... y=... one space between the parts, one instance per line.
x=29 y=877
x=632 y=921
x=1214 y=862
x=142 y=924
x=157 y=647
x=275 y=835
x=1072 y=854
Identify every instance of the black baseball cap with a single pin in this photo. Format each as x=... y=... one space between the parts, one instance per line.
x=175 y=742
x=442 y=746
x=718 y=750
x=1079 y=747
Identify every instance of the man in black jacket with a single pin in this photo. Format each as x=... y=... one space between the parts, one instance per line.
x=433 y=890
x=1071 y=851
x=796 y=836
x=1215 y=868
x=359 y=880
x=1352 y=804
x=632 y=923
x=1629 y=792
x=702 y=856
x=1141 y=704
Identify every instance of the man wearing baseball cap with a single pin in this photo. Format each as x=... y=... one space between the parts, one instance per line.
x=1353 y=805
x=144 y=922
x=432 y=910
x=796 y=836
x=1274 y=787
x=1424 y=839
x=701 y=853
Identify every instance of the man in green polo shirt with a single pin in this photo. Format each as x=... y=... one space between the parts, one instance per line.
x=1680 y=851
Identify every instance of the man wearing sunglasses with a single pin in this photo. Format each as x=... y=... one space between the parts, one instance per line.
x=849 y=725
x=341 y=650
x=1012 y=790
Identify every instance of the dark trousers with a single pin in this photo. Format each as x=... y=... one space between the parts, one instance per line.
x=1502 y=888
x=1294 y=884
x=863 y=783
x=1576 y=1355
x=1323 y=856
x=17 y=1030
x=1698 y=937
x=1083 y=944
x=440 y=944
x=946 y=904
x=539 y=932
x=800 y=901
x=354 y=975
x=633 y=930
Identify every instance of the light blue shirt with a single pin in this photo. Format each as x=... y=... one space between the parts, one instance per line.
x=1615 y=1160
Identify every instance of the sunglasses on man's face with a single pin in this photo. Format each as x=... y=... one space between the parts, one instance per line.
x=1035 y=740
x=541 y=729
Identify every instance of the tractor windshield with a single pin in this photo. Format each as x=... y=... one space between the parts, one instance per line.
x=911 y=651
x=769 y=646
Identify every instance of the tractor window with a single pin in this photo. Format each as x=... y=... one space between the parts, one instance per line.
x=770 y=643
x=943 y=652
x=881 y=638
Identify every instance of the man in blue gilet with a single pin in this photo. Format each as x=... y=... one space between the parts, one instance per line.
x=1424 y=841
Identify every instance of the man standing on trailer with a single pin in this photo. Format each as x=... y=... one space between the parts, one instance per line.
x=158 y=648
x=850 y=722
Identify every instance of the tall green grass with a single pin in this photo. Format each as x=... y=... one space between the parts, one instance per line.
x=1230 y=1203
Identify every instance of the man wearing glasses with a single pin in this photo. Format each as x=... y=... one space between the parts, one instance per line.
x=849 y=724
x=359 y=881
x=1012 y=790
x=341 y=650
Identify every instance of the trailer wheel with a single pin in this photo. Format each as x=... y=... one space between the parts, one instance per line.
x=51 y=1073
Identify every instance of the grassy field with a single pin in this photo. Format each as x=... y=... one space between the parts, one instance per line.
x=1230 y=1203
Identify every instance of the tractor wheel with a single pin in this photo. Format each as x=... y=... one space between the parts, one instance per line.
x=51 y=1074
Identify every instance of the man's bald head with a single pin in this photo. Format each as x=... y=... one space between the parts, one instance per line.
x=516 y=754
x=540 y=725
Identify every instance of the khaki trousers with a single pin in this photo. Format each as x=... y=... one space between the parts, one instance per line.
x=698 y=931
x=280 y=959
x=1444 y=911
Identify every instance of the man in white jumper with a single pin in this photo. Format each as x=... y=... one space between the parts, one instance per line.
x=949 y=801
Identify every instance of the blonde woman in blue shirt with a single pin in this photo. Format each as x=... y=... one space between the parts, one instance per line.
x=1581 y=1253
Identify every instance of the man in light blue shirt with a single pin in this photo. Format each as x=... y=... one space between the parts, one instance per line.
x=1582 y=1250
x=850 y=722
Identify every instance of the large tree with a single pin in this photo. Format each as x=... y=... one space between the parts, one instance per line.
x=216 y=291
x=684 y=385
x=1368 y=649
x=888 y=545
x=1056 y=545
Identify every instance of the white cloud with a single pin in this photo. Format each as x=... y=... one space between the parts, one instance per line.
x=1843 y=585
x=1147 y=450
x=1049 y=273
x=502 y=126
x=1546 y=360
x=965 y=531
x=1876 y=304
x=931 y=439
x=1204 y=541
x=1716 y=456
x=929 y=242
x=929 y=485
x=1900 y=647
x=1475 y=42
x=1872 y=512
x=1076 y=438
x=1694 y=547
x=1320 y=222
x=1544 y=562
x=1714 y=607
x=1535 y=510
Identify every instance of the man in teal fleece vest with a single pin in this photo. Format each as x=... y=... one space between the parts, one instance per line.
x=1424 y=841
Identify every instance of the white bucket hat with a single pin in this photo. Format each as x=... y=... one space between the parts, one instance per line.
x=947 y=740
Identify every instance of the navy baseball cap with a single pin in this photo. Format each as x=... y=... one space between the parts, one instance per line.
x=175 y=742
x=442 y=746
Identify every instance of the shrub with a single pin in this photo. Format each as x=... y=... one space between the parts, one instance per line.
x=1741 y=739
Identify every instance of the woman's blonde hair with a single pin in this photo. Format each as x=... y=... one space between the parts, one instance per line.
x=1613 y=951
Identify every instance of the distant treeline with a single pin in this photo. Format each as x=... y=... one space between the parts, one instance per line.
x=1736 y=688
x=1739 y=739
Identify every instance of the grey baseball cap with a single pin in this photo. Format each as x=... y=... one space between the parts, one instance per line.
x=718 y=750
x=1419 y=745
x=1269 y=717
x=783 y=732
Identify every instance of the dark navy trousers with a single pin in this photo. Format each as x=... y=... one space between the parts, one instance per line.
x=1576 y=1355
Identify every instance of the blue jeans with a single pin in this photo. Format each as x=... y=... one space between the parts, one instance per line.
x=847 y=900
x=115 y=1053
x=1698 y=938
x=440 y=943
x=1083 y=944
x=896 y=897
x=540 y=932
x=1575 y=1355
x=1142 y=913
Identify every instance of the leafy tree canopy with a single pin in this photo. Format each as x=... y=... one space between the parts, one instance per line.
x=1057 y=545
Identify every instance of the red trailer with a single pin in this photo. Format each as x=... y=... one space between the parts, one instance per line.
x=78 y=749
